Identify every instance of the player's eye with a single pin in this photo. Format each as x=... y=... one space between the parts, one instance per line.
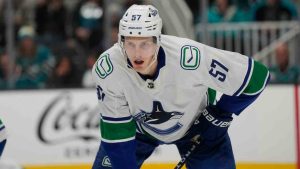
x=146 y=45
x=130 y=45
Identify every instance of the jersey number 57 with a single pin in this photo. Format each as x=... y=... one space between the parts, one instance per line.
x=218 y=70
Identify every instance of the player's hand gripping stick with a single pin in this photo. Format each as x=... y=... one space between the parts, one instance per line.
x=213 y=125
x=195 y=142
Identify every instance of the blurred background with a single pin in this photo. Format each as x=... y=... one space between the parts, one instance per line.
x=54 y=43
x=47 y=96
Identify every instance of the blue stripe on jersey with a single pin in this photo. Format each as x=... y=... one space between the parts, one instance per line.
x=172 y=129
x=246 y=77
x=138 y=128
x=121 y=155
x=116 y=119
x=235 y=104
x=2 y=145
x=1 y=128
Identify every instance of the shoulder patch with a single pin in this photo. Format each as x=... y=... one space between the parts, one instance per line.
x=104 y=66
x=190 y=57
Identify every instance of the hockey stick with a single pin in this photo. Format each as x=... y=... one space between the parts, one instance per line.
x=195 y=142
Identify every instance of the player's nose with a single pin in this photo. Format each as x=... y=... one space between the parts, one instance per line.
x=137 y=53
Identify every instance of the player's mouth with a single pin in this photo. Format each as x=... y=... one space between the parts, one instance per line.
x=138 y=62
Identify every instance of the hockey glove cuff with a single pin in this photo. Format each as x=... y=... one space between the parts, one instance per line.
x=213 y=124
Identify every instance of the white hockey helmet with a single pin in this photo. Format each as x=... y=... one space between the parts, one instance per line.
x=140 y=21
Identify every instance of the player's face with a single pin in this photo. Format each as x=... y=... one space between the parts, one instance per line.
x=140 y=52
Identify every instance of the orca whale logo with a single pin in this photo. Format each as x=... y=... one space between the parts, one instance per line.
x=158 y=116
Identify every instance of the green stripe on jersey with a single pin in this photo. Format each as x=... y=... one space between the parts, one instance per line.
x=258 y=79
x=211 y=95
x=117 y=131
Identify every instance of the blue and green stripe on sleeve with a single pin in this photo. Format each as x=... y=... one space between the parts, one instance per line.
x=114 y=130
x=118 y=140
x=255 y=81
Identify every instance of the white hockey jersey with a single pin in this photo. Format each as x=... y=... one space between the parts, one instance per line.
x=166 y=106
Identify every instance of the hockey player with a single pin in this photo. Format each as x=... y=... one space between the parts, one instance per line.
x=2 y=137
x=157 y=89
